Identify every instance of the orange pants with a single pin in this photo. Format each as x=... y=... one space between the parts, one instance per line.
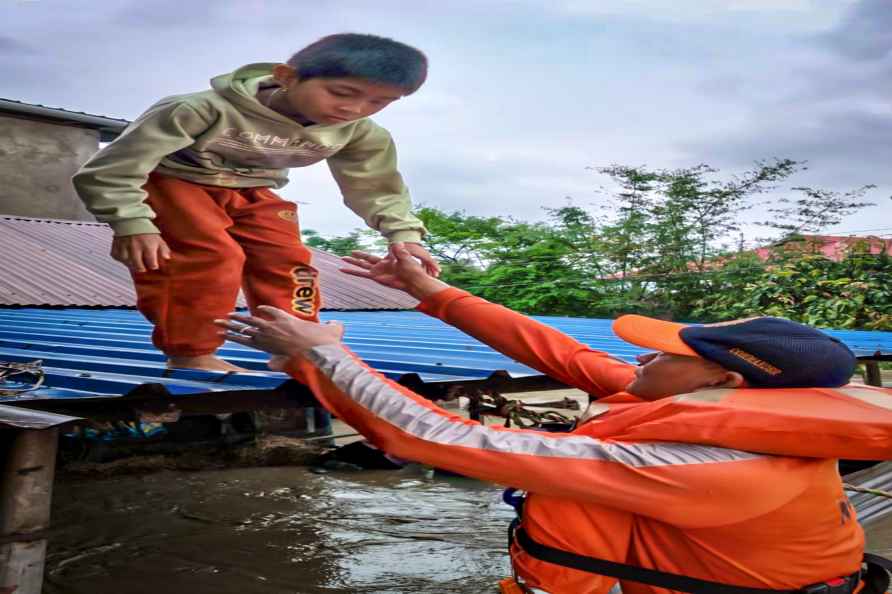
x=221 y=239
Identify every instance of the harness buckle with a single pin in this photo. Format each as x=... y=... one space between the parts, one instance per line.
x=514 y=498
x=841 y=585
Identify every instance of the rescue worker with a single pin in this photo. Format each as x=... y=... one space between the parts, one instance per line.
x=711 y=467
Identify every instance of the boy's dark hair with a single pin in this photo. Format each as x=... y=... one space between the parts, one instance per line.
x=373 y=58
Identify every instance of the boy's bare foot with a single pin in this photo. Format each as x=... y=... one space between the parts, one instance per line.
x=205 y=362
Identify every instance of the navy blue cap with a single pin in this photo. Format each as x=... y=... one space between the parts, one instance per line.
x=773 y=352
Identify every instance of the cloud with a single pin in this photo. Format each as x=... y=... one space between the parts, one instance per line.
x=13 y=47
x=22 y=69
x=802 y=13
x=166 y=14
x=829 y=104
x=865 y=34
x=523 y=94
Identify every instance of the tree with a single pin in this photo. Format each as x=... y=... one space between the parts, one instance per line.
x=707 y=209
x=661 y=247
x=855 y=292
x=625 y=236
x=816 y=210
x=668 y=226
x=358 y=239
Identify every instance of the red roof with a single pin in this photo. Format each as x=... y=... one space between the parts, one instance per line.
x=49 y=262
x=833 y=247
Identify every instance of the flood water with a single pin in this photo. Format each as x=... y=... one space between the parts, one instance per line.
x=283 y=531
x=277 y=530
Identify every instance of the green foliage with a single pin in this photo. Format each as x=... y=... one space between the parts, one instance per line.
x=532 y=267
x=816 y=209
x=667 y=225
x=661 y=247
x=855 y=292
x=359 y=239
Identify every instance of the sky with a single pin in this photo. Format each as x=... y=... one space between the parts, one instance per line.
x=524 y=97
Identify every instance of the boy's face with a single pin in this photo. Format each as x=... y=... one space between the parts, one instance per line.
x=336 y=100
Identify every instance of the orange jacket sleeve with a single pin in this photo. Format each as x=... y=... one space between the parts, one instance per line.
x=530 y=342
x=687 y=485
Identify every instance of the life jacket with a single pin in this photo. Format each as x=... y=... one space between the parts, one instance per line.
x=873 y=578
x=852 y=422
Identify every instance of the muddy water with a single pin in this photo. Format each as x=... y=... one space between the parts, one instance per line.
x=277 y=531
x=284 y=531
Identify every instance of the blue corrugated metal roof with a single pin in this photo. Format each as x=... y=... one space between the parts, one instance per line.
x=90 y=351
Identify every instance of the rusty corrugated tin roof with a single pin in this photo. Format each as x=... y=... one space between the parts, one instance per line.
x=49 y=262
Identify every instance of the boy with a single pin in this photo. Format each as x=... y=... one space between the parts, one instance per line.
x=709 y=468
x=186 y=188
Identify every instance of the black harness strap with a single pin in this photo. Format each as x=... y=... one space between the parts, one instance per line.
x=674 y=581
x=876 y=578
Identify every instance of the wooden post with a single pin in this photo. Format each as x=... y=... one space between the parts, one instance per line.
x=26 y=491
x=873 y=377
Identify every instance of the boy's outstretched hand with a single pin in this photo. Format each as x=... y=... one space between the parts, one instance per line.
x=399 y=270
x=145 y=251
x=430 y=265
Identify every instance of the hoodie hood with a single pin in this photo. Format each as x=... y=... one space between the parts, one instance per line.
x=240 y=88
x=225 y=137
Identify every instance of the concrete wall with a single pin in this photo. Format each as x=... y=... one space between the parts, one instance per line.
x=37 y=160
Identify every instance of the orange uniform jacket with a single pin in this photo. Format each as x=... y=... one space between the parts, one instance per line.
x=716 y=513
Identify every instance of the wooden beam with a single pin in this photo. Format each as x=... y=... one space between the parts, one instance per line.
x=26 y=492
x=873 y=376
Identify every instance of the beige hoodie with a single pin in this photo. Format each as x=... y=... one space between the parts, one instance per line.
x=225 y=137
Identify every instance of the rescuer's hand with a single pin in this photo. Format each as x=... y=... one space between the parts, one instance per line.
x=279 y=333
x=399 y=270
